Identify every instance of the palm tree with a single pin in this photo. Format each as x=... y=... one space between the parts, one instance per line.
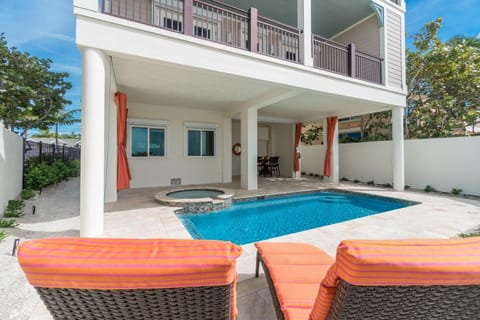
x=65 y=118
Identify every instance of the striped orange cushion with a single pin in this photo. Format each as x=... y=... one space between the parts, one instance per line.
x=85 y=263
x=400 y=263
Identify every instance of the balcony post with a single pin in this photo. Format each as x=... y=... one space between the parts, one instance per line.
x=304 y=22
x=188 y=17
x=351 y=57
x=252 y=29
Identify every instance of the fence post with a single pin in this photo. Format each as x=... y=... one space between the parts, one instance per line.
x=63 y=153
x=351 y=58
x=252 y=29
x=40 y=147
x=53 y=152
x=188 y=17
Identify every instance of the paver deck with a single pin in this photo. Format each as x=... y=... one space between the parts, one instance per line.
x=137 y=214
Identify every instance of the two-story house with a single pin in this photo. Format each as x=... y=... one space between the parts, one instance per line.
x=199 y=77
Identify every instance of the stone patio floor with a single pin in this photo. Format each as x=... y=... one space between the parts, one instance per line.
x=137 y=215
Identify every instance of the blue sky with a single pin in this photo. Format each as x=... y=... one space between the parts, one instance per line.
x=46 y=28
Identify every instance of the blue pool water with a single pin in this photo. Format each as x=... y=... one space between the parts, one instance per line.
x=251 y=221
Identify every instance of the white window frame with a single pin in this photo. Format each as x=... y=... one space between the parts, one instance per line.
x=196 y=126
x=148 y=124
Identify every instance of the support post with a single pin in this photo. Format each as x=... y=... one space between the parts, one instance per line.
x=248 y=129
x=304 y=22
x=93 y=132
x=352 y=61
x=227 y=150
x=252 y=29
x=398 y=156
x=188 y=17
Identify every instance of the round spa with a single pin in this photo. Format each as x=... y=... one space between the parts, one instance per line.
x=196 y=200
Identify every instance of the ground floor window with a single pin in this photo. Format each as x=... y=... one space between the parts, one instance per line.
x=147 y=141
x=200 y=142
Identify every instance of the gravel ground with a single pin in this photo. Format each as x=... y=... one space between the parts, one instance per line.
x=56 y=215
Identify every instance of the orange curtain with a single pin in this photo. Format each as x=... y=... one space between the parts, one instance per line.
x=331 y=122
x=298 y=132
x=123 y=171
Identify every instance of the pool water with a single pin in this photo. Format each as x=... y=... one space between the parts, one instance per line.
x=195 y=194
x=257 y=220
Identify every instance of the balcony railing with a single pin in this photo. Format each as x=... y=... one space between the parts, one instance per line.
x=278 y=40
x=231 y=26
x=399 y=2
x=346 y=60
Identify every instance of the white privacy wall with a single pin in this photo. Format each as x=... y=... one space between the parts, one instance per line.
x=11 y=162
x=444 y=164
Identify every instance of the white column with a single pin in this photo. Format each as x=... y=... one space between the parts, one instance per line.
x=304 y=20
x=335 y=163
x=248 y=129
x=398 y=156
x=93 y=132
x=227 y=150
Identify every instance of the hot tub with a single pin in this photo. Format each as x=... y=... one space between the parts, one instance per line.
x=196 y=200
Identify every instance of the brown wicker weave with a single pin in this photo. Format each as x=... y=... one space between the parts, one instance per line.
x=396 y=302
x=193 y=303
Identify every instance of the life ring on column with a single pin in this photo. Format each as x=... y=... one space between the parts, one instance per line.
x=237 y=149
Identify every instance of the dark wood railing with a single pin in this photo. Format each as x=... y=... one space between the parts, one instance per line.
x=346 y=60
x=228 y=25
x=278 y=40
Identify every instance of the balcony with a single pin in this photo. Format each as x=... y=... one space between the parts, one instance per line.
x=246 y=30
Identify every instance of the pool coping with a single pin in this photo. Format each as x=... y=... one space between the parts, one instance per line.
x=313 y=191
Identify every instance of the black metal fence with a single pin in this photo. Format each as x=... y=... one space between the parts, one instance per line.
x=43 y=152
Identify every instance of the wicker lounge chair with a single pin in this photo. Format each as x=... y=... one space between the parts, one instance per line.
x=375 y=280
x=80 y=278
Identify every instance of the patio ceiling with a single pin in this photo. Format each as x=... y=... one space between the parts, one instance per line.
x=155 y=83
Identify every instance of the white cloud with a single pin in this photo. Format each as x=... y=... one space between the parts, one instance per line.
x=61 y=36
x=72 y=70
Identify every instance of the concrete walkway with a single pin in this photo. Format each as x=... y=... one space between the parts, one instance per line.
x=137 y=215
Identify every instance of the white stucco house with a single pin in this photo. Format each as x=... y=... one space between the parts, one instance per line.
x=201 y=76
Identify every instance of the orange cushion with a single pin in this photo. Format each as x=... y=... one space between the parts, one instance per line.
x=296 y=270
x=86 y=263
x=296 y=313
x=400 y=263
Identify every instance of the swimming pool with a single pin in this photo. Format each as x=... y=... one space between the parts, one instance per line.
x=257 y=220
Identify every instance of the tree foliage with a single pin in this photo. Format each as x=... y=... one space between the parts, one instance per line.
x=444 y=84
x=310 y=133
x=31 y=95
x=443 y=80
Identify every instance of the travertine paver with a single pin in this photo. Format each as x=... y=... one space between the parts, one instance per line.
x=137 y=214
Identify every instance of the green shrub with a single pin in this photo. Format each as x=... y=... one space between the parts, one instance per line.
x=474 y=233
x=39 y=176
x=27 y=194
x=356 y=181
x=429 y=188
x=345 y=179
x=3 y=234
x=14 y=209
x=407 y=187
x=8 y=223
x=456 y=191
x=371 y=183
x=387 y=185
